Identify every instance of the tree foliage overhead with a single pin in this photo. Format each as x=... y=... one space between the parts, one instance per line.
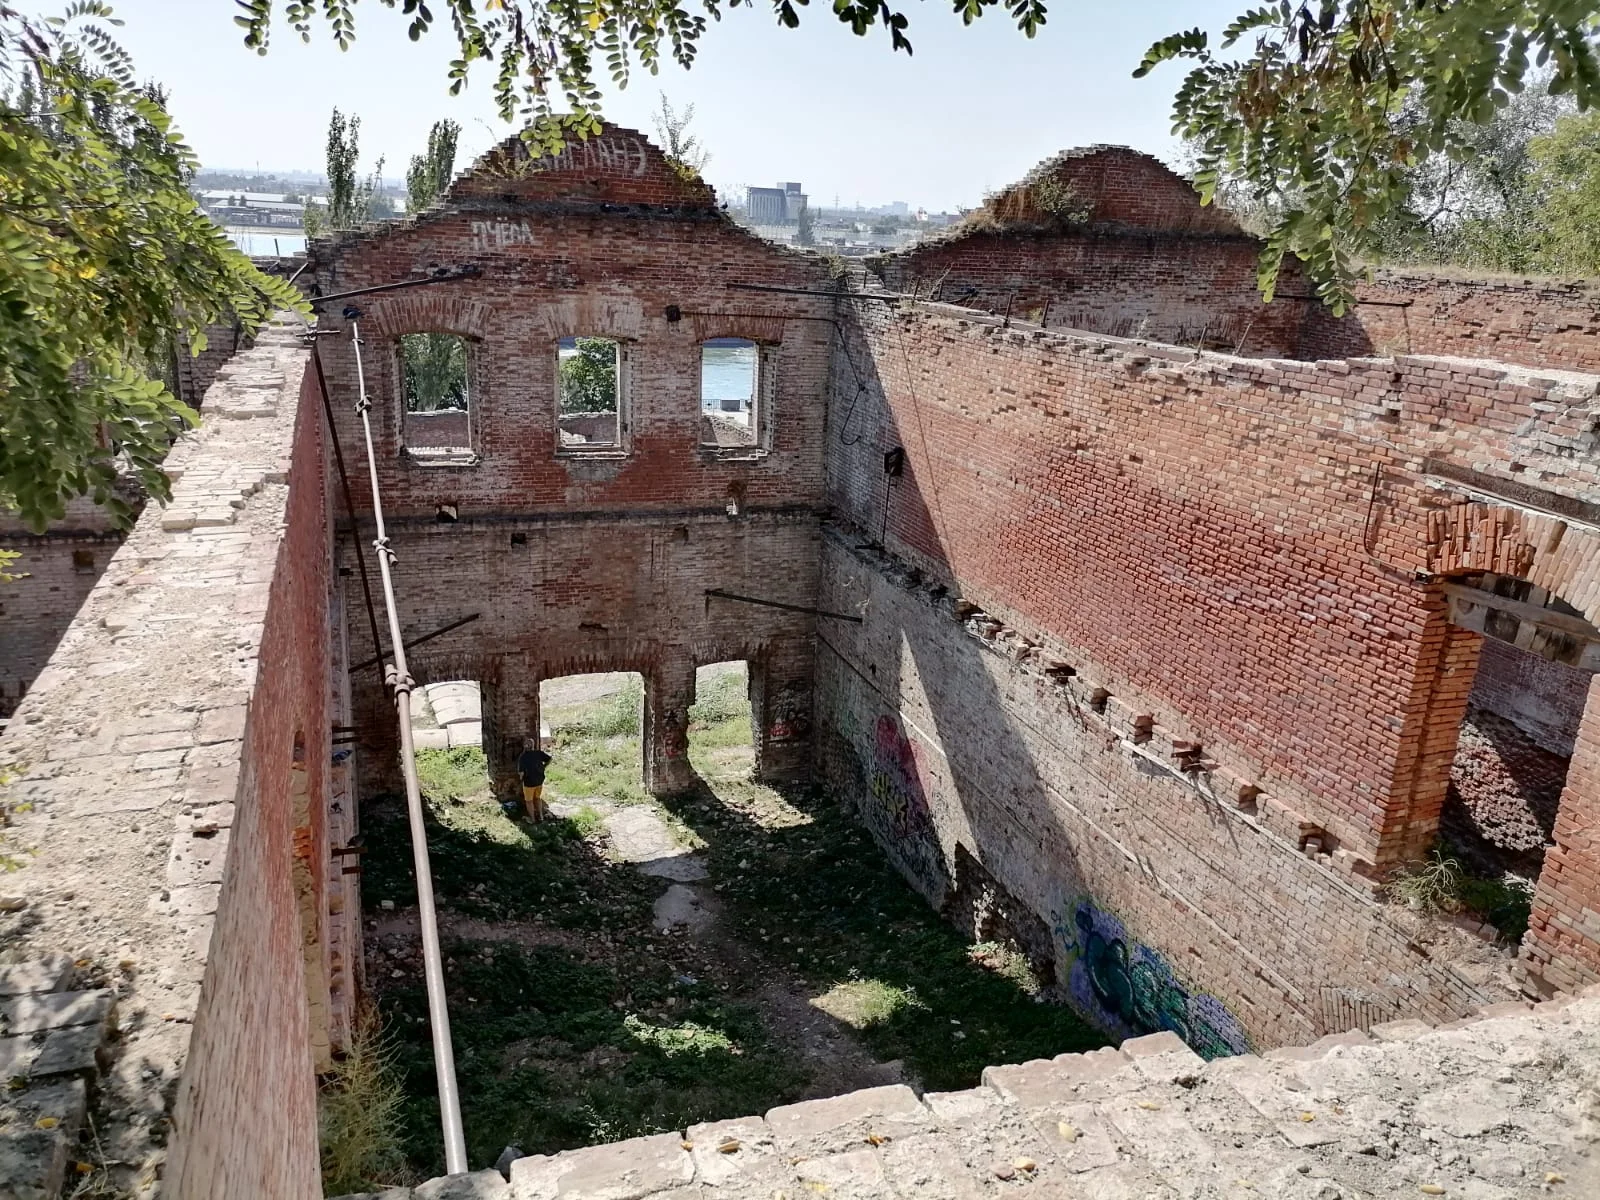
x=1324 y=107
x=548 y=54
x=104 y=260
x=432 y=170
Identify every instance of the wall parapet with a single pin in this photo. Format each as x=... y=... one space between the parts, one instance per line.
x=155 y=853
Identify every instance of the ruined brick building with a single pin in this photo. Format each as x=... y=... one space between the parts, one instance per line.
x=1134 y=616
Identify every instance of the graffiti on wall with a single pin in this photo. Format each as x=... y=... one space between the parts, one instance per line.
x=899 y=780
x=791 y=714
x=900 y=790
x=1130 y=989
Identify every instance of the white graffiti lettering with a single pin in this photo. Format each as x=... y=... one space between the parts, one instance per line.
x=610 y=153
x=496 y=235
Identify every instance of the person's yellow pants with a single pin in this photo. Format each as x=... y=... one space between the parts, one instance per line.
x=533 y=801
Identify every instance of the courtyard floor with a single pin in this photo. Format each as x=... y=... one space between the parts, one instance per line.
x=635 y=967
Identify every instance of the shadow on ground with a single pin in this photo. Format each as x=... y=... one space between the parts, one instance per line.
x=576 y=1020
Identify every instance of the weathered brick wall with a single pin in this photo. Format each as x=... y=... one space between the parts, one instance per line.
x=1544 y=699
x=1238 y=552
x=593 y=561
x=564 y=595
x=1109 y=185
x=447 y=427
x=953 y=738
x=197 y=372
x=1140 y=257
x=54 y=574
x=1194 y=289
x=251 y=1062
x=158 y=752
x=1537 y=323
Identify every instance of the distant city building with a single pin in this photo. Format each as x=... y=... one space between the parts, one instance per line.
x=232 y=207
x=779 y=205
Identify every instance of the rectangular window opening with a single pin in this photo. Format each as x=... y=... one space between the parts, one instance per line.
x=83 y=562
x=434 y=375
x=589 y=393
x=730 y=389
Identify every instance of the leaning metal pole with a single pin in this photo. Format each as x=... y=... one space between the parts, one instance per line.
x=399 y=679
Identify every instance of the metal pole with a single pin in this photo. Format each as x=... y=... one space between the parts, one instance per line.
x=399 y=678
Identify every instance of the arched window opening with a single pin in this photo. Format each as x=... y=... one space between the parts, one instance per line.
x=590 y=386
x=730 y=392
x=435 y=385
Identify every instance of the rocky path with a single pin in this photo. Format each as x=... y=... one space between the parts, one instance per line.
x=640 y=835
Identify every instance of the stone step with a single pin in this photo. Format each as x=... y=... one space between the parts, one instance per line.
x=1499 y=1108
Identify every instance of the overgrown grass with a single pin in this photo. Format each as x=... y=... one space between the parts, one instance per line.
x=456 y=774
x=359 y=1115
x=1440 y=884
x=719 y=719
x=817 y=897
x=597 y=751
x=584 y=1024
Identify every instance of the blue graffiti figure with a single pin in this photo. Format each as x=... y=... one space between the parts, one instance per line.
x=1134 y=992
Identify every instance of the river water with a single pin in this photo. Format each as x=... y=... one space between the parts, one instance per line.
x=727 y=372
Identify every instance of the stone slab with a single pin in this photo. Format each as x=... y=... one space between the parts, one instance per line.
x=56 y=1010
x=893 y=1108
x=623 y=1171
x=474 y=1185
x=51 y=973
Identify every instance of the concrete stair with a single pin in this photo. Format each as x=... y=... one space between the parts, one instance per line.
x=1498 y=1107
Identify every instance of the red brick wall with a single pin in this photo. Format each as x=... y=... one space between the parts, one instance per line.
x=614 y=551
x=37 y=606
x=1563 y=942
x=246 y=1119
x=1111 y=185
x=1188 y=289
x=1538 y=323
x=950 y=739
x=1206 y=537
x=1144 y=259
x=1542 y=698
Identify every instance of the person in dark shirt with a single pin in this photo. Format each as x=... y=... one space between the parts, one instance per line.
x=530 y=765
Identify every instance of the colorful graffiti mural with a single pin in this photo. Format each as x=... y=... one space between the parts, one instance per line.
x=1129 y=989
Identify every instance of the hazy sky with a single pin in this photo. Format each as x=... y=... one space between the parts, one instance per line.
x=971 y=111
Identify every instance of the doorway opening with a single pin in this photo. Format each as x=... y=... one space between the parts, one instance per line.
x=1535 y=658
x=721 y=735
x=592 y=727
x=447 y=734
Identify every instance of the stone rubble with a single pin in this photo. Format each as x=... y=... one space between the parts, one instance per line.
x=1500 y=1107
x=52 y=1046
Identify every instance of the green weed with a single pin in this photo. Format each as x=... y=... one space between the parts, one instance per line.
x=587 y=821
x=584 y=1024
x=1440 y=884
x=452 y=774
x=359 y=1115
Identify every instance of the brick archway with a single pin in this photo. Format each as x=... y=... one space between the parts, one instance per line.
x=1562 y=947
